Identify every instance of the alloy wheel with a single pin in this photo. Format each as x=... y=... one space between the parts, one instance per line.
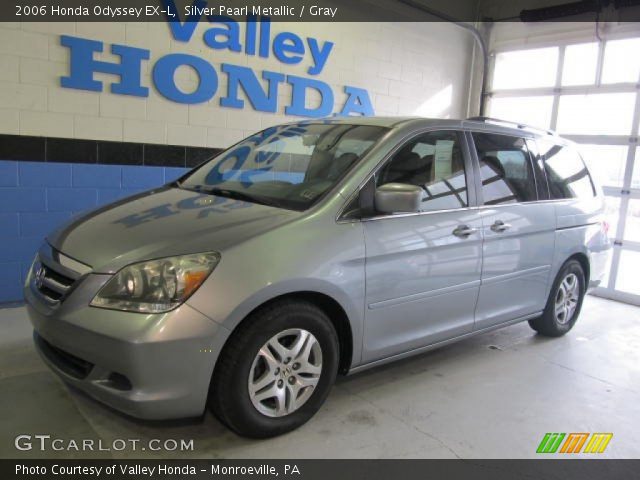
x=285 y=372
x=567 y=298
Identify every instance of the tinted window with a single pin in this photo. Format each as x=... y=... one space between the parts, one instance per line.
x=566 y=172
x=433 y=161
x=505 y=169
x=289 y=166
x=538 y=170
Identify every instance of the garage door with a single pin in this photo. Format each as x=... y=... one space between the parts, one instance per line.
x=588 y=92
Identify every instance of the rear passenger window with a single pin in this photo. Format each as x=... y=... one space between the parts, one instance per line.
x=435 y=162
x=567 y=174
x=505 y=169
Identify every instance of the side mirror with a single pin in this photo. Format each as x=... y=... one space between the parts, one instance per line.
x=398 y=198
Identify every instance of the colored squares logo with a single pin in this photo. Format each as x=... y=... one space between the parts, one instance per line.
x=574 y=443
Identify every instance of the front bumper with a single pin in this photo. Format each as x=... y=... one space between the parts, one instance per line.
x=152 y=366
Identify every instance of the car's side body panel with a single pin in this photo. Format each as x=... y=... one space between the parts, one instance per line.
x=313 y=254
x=422 y=281
x=579 y=232
x=516 y=262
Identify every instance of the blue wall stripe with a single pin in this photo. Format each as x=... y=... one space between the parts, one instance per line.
x=36 y=197
x=36 y=174
x=8 y=174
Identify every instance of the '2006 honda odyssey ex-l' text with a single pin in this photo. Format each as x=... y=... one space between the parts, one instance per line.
x=312 y=249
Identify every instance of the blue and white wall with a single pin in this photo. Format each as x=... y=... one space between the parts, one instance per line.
x=63 y=151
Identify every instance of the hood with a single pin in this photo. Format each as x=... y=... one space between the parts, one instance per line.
x=161 y=223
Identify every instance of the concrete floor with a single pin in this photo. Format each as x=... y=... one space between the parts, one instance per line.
x=493 y=396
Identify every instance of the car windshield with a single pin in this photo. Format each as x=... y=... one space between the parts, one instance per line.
x=289 y=166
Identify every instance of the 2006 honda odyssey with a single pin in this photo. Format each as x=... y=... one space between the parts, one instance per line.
x=312 y=249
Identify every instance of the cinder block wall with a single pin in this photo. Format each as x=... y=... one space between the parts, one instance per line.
x=48 y=172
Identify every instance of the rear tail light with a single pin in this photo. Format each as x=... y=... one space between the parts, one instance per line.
x=605 y=227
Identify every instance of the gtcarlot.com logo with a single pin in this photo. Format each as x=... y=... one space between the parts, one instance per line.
x=574 y=443
x=45 y=443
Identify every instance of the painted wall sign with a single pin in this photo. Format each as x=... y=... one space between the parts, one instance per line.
x=224 y=34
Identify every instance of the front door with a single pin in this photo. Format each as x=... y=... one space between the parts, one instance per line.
x=423 y=269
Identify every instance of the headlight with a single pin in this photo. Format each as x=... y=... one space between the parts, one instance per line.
x=156 y=286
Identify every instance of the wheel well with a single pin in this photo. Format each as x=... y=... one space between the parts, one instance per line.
x=584 y=263
x=336 y=314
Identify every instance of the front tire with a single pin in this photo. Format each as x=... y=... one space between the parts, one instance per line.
x=564 y=303
x=276 y=370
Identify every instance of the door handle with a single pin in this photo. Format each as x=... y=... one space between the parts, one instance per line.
x=500 y=226
x=464 y=231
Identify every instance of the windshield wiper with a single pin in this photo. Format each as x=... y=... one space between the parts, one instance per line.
x=235 y=194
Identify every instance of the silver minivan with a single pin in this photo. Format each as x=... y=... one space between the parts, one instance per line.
x=312 y=249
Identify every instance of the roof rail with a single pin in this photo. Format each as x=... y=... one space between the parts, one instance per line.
x=508 y=123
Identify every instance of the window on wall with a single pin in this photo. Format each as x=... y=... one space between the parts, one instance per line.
x=619 y=66
x=596 y=114
x=524 y=69
x=530 y=110
x=580 y=63
x=635 y=179
x=505 y=169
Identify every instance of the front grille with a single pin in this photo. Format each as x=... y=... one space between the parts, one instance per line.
x=51 y=284
x=69 y=364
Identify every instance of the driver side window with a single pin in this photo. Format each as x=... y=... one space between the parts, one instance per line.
x=433 y=161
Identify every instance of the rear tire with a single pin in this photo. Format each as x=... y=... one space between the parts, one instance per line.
x=276 y=370
x=564 y=303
